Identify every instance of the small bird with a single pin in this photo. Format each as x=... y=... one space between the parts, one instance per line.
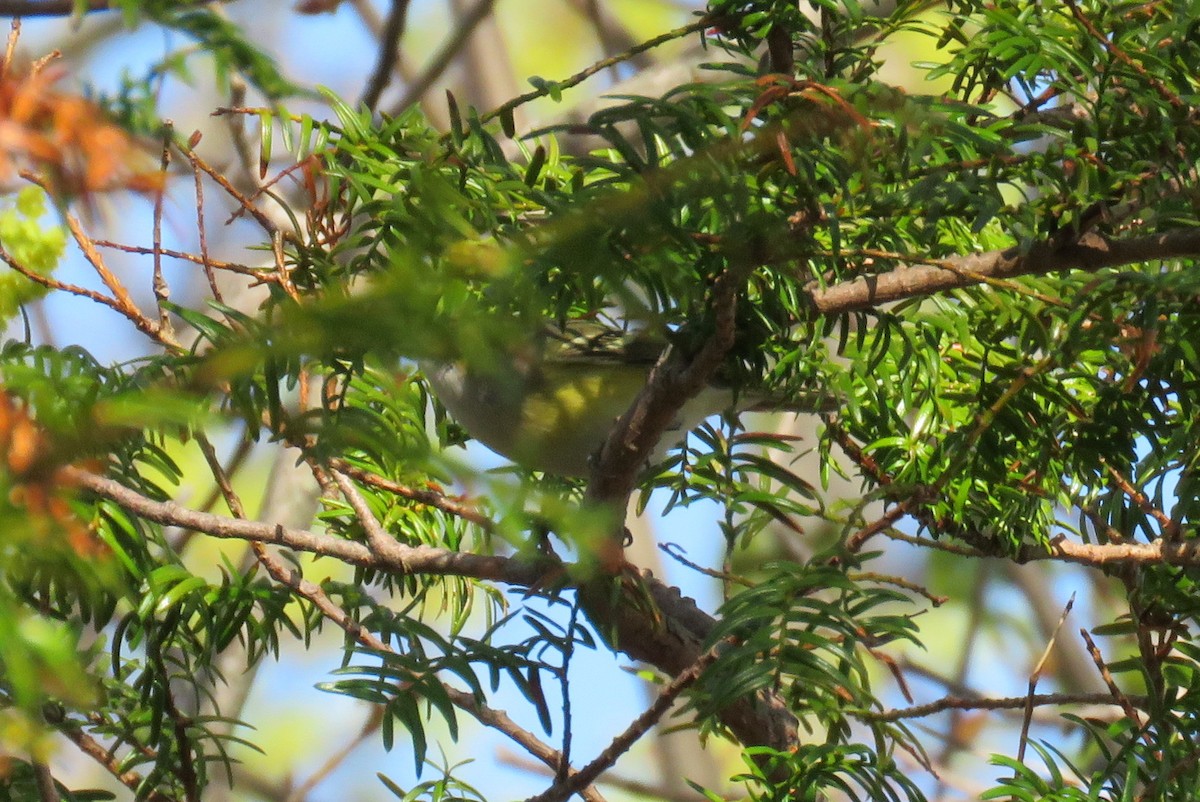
x=552 y=407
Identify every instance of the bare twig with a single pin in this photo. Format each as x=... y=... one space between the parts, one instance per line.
x=268 y=225
x=202 y=234
x=10 y=47
x=257 y=273
x=162 y=290
x=395 y=557
x=377 y=536
x=1170 y=529
x=124 y=302
x=111 y=763
x=599 y=66
x=560 y=791
x=1116 y=694
x=1036 y=675
x=674 y=551
x=389 y=52
x=426 y=496
x=445 y=55
x=954 y=702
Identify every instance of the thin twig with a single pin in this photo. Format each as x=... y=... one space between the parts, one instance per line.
x=10 y=48
x=673 y=550
x=599 y=66
x=445 y=55
x=1170 y=528
x=396 y=556
x=162 y=290
x=268 y=225
x=111 y=763
x=1120 y=55
x=1036 y=675
x=142 y=323
x=258 y=273
x=389 y=53
x=637 y=728
x=377 y=536
x=202 y=234
x=426 y=496
x=1115 y=693
x=855 y=542
x=920 y=590
x=953 y=702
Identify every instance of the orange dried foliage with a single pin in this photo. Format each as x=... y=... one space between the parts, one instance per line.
x=36 y=482
x=66 y=138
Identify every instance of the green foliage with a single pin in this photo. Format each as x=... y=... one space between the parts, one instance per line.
x=981 y=411
x=30 y=243
x=230 y=49
x=803 y=633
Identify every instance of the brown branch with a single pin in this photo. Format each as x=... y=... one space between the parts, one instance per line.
x=54 y=284
x=106 y=758
x=1170 y=529
x=1092 y=555
x=393 y=556
x=855 y=542
x=561 y=791
x=202 y=234
x=669 y=637
x=597 y=67
x=389 y=53
x=491 y=717
x=44 y=780
x=162 y=290
x=428 y=497
x=1116 y=694
x=10 y=48
x=262 y=274
x=981 y=703
x=377 y=537
x=672 y=381
x=123 y=300
x=1123 y=57
x=265 y=222
x=1035 y=676
x=1090 y=251
x=445 y=55
x=292 y=578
